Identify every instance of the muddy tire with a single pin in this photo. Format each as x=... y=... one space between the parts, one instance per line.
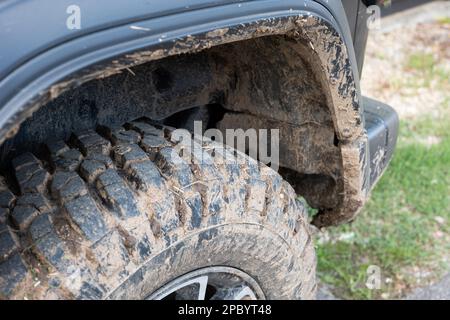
x=117 y=213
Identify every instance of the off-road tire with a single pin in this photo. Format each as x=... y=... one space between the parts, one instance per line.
x=117 y=213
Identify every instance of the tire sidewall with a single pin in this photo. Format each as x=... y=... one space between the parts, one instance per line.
x=261 y=253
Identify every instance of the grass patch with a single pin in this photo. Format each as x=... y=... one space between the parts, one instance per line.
x=402 y=224
x=444 y=20
x=422 y=70
x=423 y=62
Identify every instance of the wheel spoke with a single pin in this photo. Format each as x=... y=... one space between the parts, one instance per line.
x=246 y=292
x=212 y=283
x=182 y=289
x=240 y=292
x=203 y=284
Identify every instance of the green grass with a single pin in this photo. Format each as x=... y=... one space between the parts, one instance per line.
x=421 y=70
x=424 y=62
x=424 y=70
x=444 y=20
x=399 y=226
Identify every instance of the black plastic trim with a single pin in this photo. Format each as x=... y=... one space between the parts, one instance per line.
x=381 y=124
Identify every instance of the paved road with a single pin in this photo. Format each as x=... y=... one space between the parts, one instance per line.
x=401 y=5
x=430 y=11
x=437 y=291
